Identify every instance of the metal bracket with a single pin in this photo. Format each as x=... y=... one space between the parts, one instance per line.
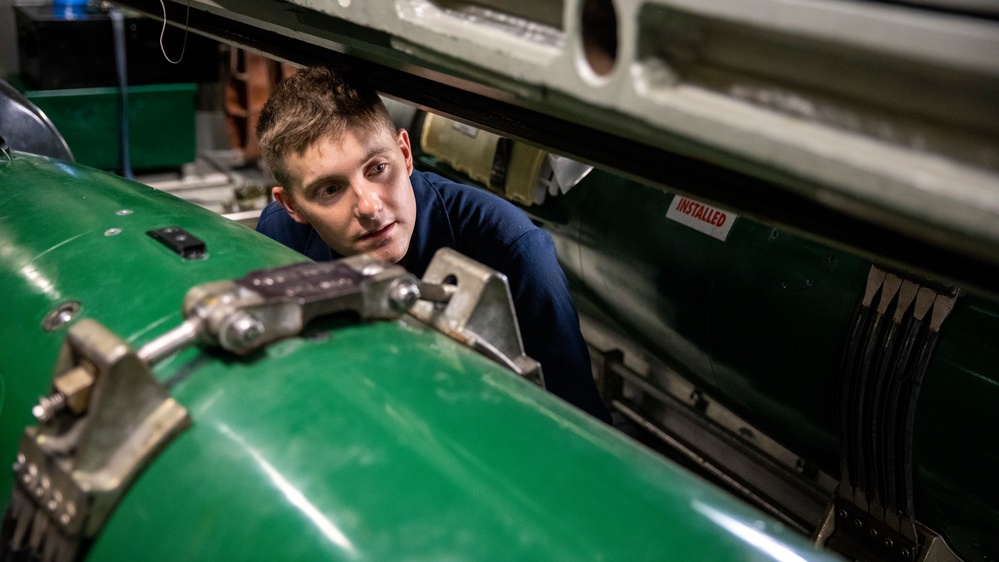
x=480 y=314
x=74 y=467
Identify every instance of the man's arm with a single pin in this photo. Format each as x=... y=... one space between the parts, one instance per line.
x=549 y=323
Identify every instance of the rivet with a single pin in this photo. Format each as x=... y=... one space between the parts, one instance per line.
x=858 y=523
x=842 y=514
x=52 y=505
x=65 y=519
x=888 y=542
x=112 y=231
x=124 y=212
x=905 y=553
x=62 y=314
x=873 y=532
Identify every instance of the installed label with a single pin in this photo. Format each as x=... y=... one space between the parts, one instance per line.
x=705 y=218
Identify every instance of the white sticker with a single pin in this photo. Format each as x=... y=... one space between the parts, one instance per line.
x=704 y=218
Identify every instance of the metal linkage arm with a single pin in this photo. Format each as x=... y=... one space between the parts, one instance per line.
x=271 y=304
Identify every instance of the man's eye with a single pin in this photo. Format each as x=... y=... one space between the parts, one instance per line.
x=328 y=190
x=379 y=168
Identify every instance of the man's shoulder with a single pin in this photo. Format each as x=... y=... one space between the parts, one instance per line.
x=275 y=223
x=464 y=200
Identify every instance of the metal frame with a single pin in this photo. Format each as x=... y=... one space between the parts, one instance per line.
x=927 y=219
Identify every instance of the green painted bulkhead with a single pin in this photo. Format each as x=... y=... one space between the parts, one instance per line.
x=354 y=441
x=761 y=320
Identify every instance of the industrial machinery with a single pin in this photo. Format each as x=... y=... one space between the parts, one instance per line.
x=786 y=257
x=816 y=384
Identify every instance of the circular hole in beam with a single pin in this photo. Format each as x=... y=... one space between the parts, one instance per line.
x=599 y=30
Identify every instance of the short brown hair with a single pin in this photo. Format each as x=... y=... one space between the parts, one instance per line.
x=314 y=103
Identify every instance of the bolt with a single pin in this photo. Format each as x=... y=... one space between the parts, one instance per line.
x=697 y=400
x=49 y=406
x=19 y=462
x=29 y=476
x=404 y=294
x=242 y=332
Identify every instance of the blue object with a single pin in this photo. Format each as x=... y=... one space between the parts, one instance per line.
x=69 y=9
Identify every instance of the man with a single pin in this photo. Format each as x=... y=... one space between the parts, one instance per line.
x=348 y=186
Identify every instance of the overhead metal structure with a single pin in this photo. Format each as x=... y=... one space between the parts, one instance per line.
x=866 y=124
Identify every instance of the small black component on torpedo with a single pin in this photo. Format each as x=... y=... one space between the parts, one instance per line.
x=180 y=241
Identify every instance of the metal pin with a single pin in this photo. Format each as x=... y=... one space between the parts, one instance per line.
x=178 y=338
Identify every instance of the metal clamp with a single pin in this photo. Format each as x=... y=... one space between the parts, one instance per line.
x=268 y=305
x=480 y=314
x=74 y=467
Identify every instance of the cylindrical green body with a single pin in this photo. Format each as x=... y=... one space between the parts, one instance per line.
x=375 y=441
x=761 y=320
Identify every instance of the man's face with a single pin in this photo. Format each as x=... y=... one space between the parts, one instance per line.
x=355 y=191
